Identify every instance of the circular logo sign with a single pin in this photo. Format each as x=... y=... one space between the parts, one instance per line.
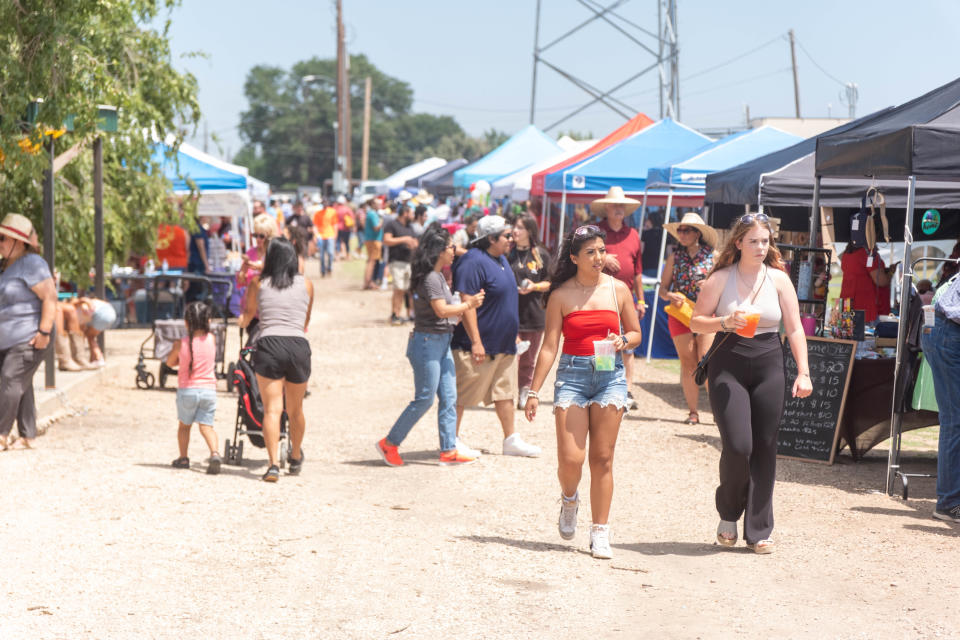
x=930 y=221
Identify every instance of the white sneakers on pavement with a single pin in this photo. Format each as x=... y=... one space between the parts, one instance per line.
x=513 y=445
x=467 y=450
x=567 y=523
x=600 y=541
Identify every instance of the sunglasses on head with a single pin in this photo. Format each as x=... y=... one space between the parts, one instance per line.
x=753 y=217
x=585 y=229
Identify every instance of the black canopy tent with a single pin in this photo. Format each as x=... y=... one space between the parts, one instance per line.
x=917 y=140
x=439 y=182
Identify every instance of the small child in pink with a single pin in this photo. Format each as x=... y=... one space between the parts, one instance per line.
x=196 y=385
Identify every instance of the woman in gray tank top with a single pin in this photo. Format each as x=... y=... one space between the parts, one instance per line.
x=282 y=298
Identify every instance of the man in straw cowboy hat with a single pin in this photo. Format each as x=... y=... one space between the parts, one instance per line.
x=623 y=260
x=683 y=272
x=28 y=308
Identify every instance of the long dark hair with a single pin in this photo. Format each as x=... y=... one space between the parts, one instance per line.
x=565 y=268
x=433 y=243
x=197 y=317
x=280 y=265
x=529 y=223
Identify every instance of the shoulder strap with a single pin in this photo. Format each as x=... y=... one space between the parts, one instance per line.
x=616 y=304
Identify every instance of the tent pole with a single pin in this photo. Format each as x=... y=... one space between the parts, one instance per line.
x=896 y=419
x=643 y=209
x=563 y=213
x=545 y=219
x=815 y=213
x=656 y=289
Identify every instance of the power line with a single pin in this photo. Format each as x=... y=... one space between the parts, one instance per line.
x=733 y=59
x=825 y=72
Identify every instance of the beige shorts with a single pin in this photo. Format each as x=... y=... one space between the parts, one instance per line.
x=400 y=272
x=374 y=250
x=492 y=380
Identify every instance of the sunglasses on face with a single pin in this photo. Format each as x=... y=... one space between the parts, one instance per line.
x=751 y=217
x=260 y=236
x=585 y=229
x=686 y=230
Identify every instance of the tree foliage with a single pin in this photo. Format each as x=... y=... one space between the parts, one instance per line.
x=75 y=55
x=288 y=127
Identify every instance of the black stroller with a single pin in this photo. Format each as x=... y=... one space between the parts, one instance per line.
x=249 y=420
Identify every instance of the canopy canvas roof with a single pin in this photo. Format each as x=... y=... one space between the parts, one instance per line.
x=398 y=178
x=626 y=163
x=633 y=125
x=205 y=171
x=516 y=186
x=526 y=147
x=439 y=181
x=691 y=172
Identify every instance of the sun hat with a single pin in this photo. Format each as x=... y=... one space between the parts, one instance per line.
x=404 y=195
x=104 y=316
x=490 y=226
x=691 y=219
x=614 y=196
x=18 y=227
x=423 y=197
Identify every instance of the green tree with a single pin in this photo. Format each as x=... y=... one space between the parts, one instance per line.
x=288 y=131
x=75 y=55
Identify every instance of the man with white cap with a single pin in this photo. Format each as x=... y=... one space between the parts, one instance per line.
x=484 y=344
x=624 y=258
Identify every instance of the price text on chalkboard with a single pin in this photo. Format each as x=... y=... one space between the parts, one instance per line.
x=809 y=427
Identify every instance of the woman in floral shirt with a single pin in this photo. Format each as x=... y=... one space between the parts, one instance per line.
x=682 y=273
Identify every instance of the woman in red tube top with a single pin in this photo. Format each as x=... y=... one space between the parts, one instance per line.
x=585 y=305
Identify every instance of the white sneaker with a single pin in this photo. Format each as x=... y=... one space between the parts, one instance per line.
x=514 y=446
x=466 y=450
x=567 y=524
x=600 y=541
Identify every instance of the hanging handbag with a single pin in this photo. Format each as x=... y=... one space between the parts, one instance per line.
x=700 y=373
x=681 y=314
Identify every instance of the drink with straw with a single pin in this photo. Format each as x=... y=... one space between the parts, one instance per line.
x=752 y=315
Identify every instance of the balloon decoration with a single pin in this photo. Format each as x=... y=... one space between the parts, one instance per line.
x=479 y=194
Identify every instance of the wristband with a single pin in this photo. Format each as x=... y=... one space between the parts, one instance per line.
x=723 y=325
x=43 y=333
x=533 y=394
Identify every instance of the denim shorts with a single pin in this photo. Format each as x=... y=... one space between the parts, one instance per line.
x=196 y=405
x=578 y=382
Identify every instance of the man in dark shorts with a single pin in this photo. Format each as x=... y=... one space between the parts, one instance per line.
x=399 y=237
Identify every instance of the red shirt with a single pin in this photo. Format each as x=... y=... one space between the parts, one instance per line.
x=625 y=245
x=858 y=285
x=172 y=246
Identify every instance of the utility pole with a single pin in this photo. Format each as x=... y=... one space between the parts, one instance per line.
x=337 y=164
x=796 y=82
x=365 y=162
x=536 y=59
x=347 y=113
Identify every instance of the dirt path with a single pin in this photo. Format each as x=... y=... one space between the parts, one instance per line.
x=104 y=540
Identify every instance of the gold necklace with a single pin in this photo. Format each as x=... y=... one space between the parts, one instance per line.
x=585 y=288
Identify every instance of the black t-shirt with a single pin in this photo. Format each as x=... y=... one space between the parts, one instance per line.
x=399 y=252
x=531 y=305
x=651 y=239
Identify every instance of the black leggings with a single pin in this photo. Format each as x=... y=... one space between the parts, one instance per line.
x=747 y=392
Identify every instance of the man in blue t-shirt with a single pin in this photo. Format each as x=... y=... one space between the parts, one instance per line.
x=485 y=343
x=372 y=241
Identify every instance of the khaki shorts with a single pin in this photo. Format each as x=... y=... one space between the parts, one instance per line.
x=400 y=272
x=492 y=380
x=374 y=250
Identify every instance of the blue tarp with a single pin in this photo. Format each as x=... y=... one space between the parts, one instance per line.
x=625 y=164
x=524 y=148
x=205 y=174
x=690 y=172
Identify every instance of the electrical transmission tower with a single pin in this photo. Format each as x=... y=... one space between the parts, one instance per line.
x=658 y=47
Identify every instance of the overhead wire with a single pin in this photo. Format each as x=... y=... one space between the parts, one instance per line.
x=817 y=65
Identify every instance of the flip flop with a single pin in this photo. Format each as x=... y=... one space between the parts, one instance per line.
x=725 y=529
x=692 y=418
x=764 y=546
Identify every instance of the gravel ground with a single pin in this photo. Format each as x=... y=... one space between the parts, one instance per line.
x=105 y=540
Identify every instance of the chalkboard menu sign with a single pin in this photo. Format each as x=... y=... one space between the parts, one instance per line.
x=810 y=426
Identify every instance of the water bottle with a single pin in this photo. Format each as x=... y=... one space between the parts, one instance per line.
x=165 y=266
x=149 y=267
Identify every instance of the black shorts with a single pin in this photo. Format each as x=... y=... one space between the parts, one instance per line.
x=283 y=357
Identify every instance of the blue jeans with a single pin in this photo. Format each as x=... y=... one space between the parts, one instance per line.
x=326 y=248
x=433 y=374
x=941 y=348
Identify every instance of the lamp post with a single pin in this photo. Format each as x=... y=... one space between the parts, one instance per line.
x=337 y=177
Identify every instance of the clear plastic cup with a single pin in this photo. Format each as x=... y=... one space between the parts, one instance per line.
x=752 y=315
x=604 y=355
x=929 y=315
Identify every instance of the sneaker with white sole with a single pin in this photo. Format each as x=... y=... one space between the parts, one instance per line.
x=467 y=450
x=567 y=523
x=513 y=445
x=948 y=515
x=600 y=541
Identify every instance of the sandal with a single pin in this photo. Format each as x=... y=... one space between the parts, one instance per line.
x=294 y=464
x=692 y=418
x=727 y=533
x=272 y=474
x=181 y=463
x=764 y=546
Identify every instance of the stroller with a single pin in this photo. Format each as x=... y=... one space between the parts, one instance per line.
x=166 y=335
x=249 y=420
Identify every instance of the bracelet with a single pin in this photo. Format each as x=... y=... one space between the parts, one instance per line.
x=723 y=324
x=533 y=394
x=42 y=332
x=803 y=374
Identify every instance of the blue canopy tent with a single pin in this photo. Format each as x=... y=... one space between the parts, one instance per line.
x=524 y=148
x=688 y=175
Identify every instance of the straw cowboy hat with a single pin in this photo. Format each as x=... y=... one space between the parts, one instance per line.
x=18 y=227
x=691 y=219
x=423 y=197
x=614 y=196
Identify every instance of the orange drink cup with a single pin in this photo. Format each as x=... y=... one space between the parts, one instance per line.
x=752 y=316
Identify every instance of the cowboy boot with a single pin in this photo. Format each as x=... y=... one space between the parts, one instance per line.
x=65 y=359
x=77 y=344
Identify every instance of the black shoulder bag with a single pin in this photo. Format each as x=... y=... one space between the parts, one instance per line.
x=700 y=373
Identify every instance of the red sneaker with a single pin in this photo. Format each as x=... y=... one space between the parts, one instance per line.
x=389 y=454
x=451 y=458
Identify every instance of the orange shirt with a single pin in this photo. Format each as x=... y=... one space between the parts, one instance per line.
x=325 y=221
x=172 y=246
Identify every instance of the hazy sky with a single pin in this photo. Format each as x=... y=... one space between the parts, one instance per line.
x=473 y=60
